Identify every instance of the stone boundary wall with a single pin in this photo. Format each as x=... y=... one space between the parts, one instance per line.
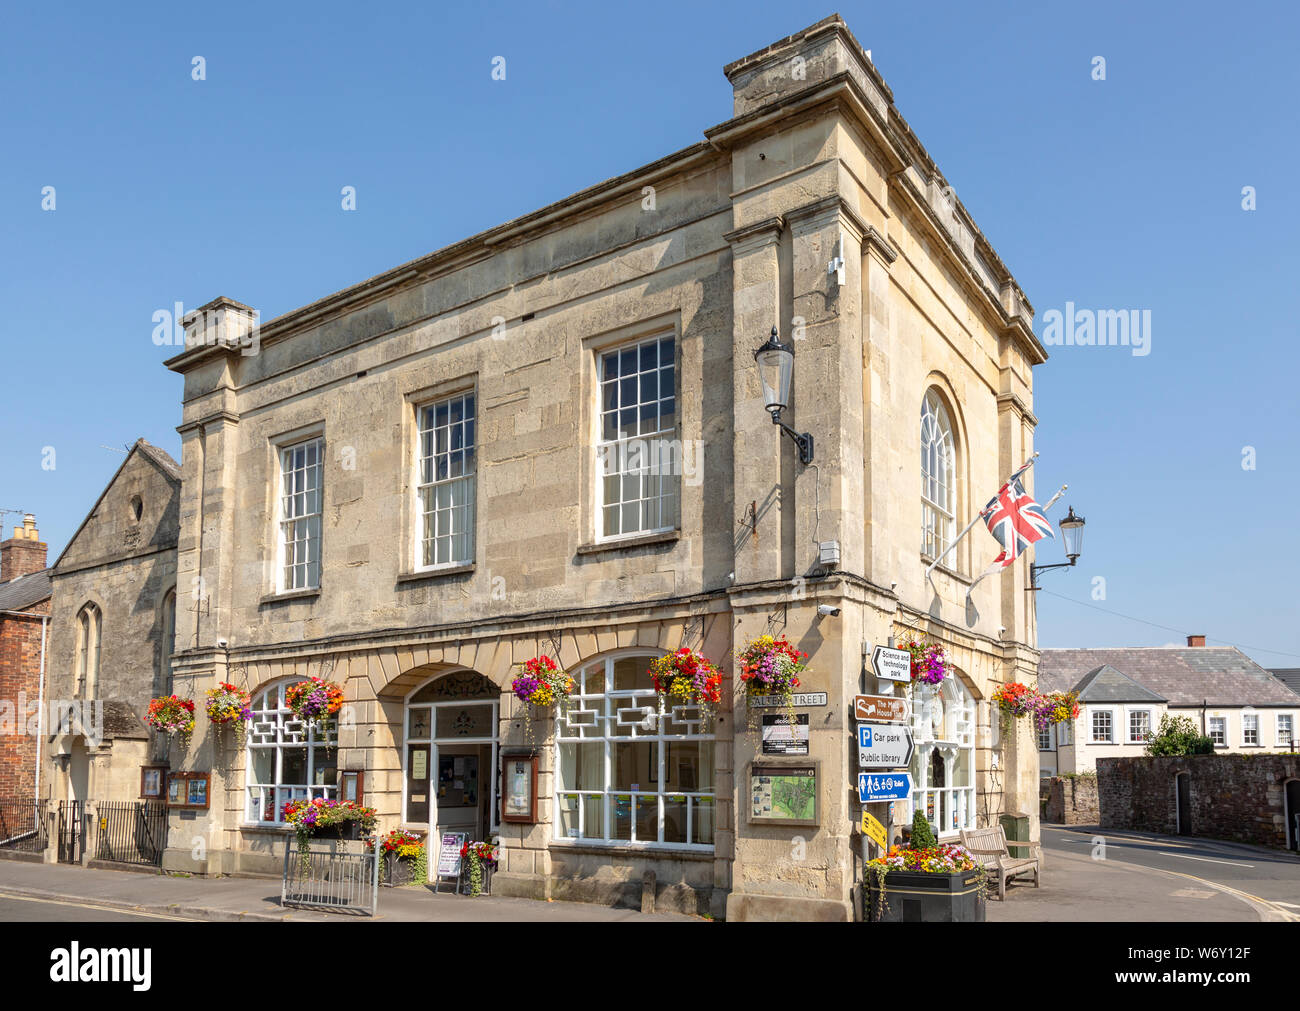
x=1072 y=800
x=1237 y=797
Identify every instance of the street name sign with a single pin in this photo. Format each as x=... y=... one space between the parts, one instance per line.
x=880 y=708
x=892 y=664
x=884 y=745
x=873 y=830
x=877 y=786
x=800 y=699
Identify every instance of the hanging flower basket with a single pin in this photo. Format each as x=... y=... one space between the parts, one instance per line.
x=1015 y=700
x=314 y=700
x=929 y=662
x=541 y=682
x=478 y=861
x=171 y=715
x=1057 y=707
x=771 y=666
x=229 y=707
x=688 y=676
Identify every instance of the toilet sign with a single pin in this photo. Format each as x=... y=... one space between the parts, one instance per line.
x=878 y=786
x=884 y=745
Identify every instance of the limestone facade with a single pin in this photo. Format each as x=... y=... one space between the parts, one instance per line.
x=710 y=247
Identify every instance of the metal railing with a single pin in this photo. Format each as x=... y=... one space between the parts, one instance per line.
x=132 y=832
x=23 y=825
x=328 y=879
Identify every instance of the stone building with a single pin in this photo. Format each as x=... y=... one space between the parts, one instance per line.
x=416 y=483
x=24 y=640
x=1123 y=693
x=112 y=627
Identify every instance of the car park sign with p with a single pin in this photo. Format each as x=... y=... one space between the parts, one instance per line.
x=884 y=745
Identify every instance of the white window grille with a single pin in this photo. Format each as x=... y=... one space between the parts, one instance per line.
x=301 y=472
x=1219 y=731
x=446 y=489
x=1250 y=728
x=1285 y=731
x=628 y=773
x=1139 y=725
x=938 y=477
x=943 y=765
x=1102 y=726
x=638 y=453
x=286 y=760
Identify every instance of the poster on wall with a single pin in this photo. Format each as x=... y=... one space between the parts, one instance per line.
x=785 y=734
x=783 y=794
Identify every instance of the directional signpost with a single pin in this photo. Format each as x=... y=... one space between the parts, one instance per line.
x=874 y=787
x=884 y=745
x=880 y=708
x=892 y=664
x=874 y=831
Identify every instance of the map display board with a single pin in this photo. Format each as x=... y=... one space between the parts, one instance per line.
x=783 y=794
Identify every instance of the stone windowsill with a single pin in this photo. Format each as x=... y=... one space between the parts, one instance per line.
x=648 y=851
x=639 y=541
x=927 y=561
x=449 y=570
x=252 y=826
x=276 y=598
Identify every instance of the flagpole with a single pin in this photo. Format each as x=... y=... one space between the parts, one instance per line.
x=978 y=516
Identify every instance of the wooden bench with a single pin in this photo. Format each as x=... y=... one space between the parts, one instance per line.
x=989 y=847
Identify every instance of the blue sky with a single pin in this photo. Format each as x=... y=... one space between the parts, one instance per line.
x=1117 y=194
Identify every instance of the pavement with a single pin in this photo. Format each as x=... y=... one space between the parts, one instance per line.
x=29 y=890
x=1095 y=876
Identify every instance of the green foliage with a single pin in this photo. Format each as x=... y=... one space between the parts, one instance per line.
x=922 y=836
x=1178 y=735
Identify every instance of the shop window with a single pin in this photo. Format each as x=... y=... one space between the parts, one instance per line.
x=628 y=772
x=286 y=759
x=943 y=766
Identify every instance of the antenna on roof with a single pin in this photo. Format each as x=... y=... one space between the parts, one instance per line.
x=125 y=451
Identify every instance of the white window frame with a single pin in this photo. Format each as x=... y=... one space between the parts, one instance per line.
x=605 y=707
x=1150 y=725
x=938 y=477
x=1209 y=724
x=1047 y=733
x=276 y=729
x=953 y=707
x=1092 y=726
x=1287 y=741
x=1247 y=731
x=284 y=452
x=659 y=452
x=1064 y=733
x=466 y=481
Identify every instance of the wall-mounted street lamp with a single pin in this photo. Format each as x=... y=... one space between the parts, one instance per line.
x=775 y=369
x=1072 y=534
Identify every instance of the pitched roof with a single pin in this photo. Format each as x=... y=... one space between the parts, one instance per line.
x=1106 y=684
x=1185 y=676
x=1289 y=676
x=21 y=593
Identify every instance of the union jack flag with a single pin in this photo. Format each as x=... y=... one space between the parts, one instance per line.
x=1015 y=519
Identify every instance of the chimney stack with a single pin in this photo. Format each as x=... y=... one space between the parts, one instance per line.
x=24 y=553
x=1196 y=640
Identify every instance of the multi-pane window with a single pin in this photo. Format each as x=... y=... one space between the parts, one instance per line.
x=1219 y=731
x=627 y=772
x=286 y=759
x=1250 y=728
x=943 y=764
x=1139 y=725
x=637 y=452
x=1285 y=731
x=445 y=495
x=301 y=471
x=1102 y=727
x=1045 y=739
x=88 y=637
x=938 y=480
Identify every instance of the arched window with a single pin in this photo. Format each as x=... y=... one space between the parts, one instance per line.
x=627 y=772
x=938 y=477
x=943 y=766
x=88 y=633
x=286 y=760
x=167 y=642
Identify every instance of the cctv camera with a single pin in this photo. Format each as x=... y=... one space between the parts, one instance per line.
x=827 y=611
x=223 y=643
x=893 y=586
x=1001 y=629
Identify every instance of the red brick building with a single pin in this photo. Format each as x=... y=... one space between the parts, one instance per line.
x=24 y=640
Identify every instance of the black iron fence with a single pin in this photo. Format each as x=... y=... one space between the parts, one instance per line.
x=24 y=825
x=329 y=879
x=133 y=832
x=71 y=830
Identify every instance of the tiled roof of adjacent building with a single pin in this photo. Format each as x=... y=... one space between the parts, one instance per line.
x=1185 y=676
x=1289 y=676
x=21 y=593
x=1106 y=684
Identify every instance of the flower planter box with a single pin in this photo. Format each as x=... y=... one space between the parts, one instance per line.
x=397 y=872
x=487 y=879
x=348 y=830
x=917 y=897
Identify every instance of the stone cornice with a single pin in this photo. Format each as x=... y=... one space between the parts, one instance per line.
x=760 y=233
x=1012 y=402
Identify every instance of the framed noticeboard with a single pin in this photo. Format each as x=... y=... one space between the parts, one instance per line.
x=152 y=778
x=350 y=784
x=519 y=788
x=188 y=789
x=784 y=793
